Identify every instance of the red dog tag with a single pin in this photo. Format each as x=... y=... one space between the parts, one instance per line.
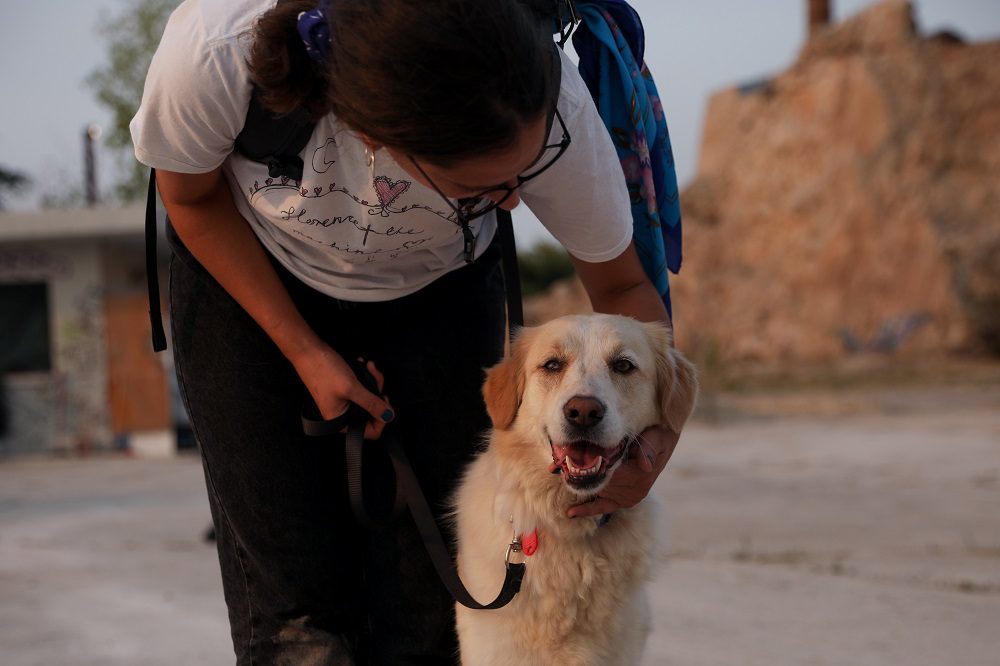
x=529 y=544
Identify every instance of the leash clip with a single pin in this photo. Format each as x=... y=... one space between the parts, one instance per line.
x=514 y=546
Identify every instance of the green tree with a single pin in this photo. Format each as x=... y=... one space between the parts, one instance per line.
x=132 y=36
x=11 y=182
x=542 y=265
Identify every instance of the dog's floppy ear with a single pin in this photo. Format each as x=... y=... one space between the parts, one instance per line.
x=679 y=396
x=505 y=384
x=677 y=379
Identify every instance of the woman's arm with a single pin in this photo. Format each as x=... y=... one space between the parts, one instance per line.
x=620 y=286
x=203 y=213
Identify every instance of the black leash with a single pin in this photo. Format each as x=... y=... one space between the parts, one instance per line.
x=408 y=492
x=353 y=422
x=436 y=547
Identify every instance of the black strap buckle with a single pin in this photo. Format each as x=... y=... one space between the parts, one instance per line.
x=566 y=20
x=469 y=247
x=288 y=166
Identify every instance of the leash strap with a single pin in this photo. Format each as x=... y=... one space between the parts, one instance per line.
x=353 y=421
x=408 y=492
x=353 y=453
x=436 y=548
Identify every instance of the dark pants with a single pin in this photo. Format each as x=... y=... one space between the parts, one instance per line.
x=303 y=582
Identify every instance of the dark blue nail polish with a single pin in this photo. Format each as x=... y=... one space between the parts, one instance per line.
x=388 y=416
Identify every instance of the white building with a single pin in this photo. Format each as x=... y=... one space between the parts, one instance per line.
x=77 y=368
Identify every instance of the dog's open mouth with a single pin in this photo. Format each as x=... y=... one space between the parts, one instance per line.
x=584 y=464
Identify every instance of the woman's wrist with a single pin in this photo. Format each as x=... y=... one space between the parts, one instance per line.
x=297 y=342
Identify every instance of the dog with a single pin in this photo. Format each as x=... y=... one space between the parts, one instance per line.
x=567 y=405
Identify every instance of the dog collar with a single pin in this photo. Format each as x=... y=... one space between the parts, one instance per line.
x=529 y=542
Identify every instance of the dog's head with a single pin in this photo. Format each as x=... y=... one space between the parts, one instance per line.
x=580 y=389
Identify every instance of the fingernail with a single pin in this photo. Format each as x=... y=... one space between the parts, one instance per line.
x=388 y=416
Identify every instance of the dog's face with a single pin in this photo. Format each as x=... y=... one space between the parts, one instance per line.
x=580 y=389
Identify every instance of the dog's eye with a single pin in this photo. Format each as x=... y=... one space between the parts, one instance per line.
x=553 y=365
x=622 y=366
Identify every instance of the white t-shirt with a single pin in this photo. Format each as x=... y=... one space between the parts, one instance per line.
x=345 y=231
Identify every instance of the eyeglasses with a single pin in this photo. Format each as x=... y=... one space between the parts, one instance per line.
x=470 y=208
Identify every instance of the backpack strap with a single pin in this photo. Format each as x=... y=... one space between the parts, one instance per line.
x=152 y=273
x=275 y=140
x=511 y=272
x=266 y=138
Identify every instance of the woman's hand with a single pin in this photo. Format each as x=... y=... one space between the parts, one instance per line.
x=203 y=214
x=632 y=481
x=334 y=386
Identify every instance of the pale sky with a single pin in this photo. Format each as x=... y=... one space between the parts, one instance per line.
x=693 y=48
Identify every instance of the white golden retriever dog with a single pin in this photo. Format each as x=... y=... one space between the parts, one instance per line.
x=567 y=408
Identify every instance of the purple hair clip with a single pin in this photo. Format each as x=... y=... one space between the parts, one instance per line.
x=315 y=33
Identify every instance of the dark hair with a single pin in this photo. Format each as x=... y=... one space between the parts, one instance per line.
x=440 y=80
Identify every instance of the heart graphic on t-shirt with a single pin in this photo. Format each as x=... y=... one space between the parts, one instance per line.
x=389 y=191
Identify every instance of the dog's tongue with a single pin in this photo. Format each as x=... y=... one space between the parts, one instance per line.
x=581 y=454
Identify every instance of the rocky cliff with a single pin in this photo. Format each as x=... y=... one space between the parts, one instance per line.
x=851 y=202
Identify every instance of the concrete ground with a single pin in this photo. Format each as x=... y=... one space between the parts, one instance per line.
x=851 y=528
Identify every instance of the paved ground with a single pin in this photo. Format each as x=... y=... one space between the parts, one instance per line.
x=858 y=528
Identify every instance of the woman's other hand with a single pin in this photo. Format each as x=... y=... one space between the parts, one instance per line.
x=334 y=386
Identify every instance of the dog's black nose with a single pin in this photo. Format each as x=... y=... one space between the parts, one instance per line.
x=583 y=411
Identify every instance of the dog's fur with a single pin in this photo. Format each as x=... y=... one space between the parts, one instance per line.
x=582 y=600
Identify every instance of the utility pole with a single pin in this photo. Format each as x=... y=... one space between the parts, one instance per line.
x=819 y=16
x=91 y=133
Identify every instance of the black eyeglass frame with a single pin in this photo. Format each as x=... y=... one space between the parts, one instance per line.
x=462 y=214
x=533 y=171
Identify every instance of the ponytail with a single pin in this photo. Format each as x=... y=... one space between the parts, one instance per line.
x=281 y=69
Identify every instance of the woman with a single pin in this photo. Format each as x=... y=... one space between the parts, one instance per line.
x=429 y=115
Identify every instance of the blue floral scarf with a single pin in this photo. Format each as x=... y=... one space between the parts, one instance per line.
x=610 y=42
